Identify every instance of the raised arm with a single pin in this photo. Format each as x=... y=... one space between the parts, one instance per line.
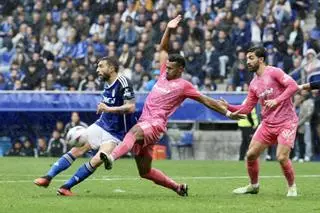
x=164 y=44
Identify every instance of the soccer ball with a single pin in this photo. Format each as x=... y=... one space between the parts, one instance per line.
x=77 y=136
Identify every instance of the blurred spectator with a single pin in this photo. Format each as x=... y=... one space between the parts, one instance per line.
x=153 y=81
x=241 y=77
x=32 y=78
x=60 y=127
x=28 y=149
x=56 y=146
x=16 y=149
x=310 y=64
x=303 y=133
x=64 y=73
x=3 y=84
x=42 y=147
x=208 y=85
x=75 y=121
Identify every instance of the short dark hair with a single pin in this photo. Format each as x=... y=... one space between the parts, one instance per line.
x=179 y=59
x=259 y=51
x=111 y=60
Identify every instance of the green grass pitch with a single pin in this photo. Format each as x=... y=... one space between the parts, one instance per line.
x=121 y=190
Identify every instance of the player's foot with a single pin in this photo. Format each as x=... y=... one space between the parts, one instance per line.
x=106 y=160
x=292 y=191
x=43 y=181
x=64 y=192
x=183 y=190
x=249 y=189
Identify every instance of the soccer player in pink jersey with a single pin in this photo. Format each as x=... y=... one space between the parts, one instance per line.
x=273 y=89
x=166 y=96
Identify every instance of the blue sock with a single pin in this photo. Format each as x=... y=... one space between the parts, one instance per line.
x=62 y=164
x=83 y=172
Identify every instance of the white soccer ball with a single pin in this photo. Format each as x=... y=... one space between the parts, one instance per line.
x=77 y=136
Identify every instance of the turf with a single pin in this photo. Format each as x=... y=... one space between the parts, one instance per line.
x=121 y=190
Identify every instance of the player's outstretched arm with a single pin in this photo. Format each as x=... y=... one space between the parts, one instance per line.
x=245 y=108
x=129 y=106
x=215 y=105
x=310 y=86
x=164 y=44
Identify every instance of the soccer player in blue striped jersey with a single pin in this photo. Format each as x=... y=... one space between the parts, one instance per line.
x=117 y=117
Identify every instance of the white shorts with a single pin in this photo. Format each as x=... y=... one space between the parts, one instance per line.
x=98 y=136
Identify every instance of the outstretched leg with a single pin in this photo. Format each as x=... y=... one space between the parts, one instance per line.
x=135 y=134
x=62 y=164
x=144 y=164
x=85 y=170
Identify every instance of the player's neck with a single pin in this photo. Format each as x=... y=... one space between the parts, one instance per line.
x=260 y=71
x=112 y=79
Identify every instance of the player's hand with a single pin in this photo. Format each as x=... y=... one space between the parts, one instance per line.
x=174 y=22
x=102 y=108
x=236 y=115
x=271 y=103
x=223 y=102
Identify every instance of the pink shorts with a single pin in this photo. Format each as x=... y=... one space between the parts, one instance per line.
x=152 y=131
x=281 y=134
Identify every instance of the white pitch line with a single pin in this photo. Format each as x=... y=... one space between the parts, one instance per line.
x=185 y=178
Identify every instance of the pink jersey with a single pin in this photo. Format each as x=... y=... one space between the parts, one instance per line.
x=272 y=84
x=165 y=97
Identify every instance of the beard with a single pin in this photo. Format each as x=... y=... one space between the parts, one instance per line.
x=253 y=68
x=104 y=77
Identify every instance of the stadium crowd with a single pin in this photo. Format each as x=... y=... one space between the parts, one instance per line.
x=55 y=45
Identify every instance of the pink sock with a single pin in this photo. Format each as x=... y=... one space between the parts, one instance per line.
x=124 y=147
x=161 y=179
x=253 y=170
x=288 y=172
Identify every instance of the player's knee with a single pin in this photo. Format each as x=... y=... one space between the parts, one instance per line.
x=282 y=158
x=251 y=155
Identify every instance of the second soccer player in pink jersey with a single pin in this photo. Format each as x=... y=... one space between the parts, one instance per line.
x=273 y=89
x=166 y=96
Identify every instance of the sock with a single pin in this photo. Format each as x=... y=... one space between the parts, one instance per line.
x=62 y=164
x=83 y=172
x=288 y=172
x=161 y=179
x=253 y=170
x=124 y=147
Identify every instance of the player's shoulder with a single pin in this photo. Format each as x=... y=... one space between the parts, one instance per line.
x=124 y=81
x=273 y=69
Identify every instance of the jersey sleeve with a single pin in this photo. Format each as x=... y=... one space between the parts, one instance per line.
x=190 y=91
x=248 y=105
x=286 y=81
x=127 y=89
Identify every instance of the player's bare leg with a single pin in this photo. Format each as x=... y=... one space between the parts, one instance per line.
x=283 y=153
x=255 y=149
x=85 y=170
x=144 y=164
x=62 y=164
x=135 y=134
